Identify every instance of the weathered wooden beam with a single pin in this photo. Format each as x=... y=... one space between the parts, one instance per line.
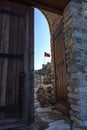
x=5 y=45
x=40 y=5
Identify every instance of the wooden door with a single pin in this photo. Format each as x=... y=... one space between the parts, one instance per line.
x=11 y=61
x=13 y=40
x=60 y=70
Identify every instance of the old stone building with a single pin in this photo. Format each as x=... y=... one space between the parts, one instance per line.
x=68 y=29
x=75 y=37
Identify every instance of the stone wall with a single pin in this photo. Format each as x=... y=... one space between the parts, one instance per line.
x=75 y=38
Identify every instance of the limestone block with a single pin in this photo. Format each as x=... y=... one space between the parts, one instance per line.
x=75 y=108
x=73 y=95
x=80 y=122
x=73 y=101
x=81 y=115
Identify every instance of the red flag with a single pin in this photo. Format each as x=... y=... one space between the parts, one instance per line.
x=46 y=54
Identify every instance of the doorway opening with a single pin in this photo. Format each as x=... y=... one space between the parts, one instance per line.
x=44 y=96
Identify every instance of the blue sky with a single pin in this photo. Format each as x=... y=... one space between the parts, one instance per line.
x=41 y=39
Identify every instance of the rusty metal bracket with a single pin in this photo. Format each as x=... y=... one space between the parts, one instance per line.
x=11 y=56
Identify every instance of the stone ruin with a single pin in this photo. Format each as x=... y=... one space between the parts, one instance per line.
x=45 y=92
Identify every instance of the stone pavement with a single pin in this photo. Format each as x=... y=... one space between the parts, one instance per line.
x=50 y=119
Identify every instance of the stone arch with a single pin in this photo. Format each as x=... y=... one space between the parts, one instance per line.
x=52 y=19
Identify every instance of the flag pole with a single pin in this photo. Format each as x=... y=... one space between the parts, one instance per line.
x=44 y=59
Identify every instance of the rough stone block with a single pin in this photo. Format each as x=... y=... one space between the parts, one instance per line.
x=73 y=95
x=75 y=108
x=81 y=123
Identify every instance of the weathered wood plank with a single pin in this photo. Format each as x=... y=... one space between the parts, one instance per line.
x=11 y=77
x=20 y=67
x=1 y=22
x=28 y=67
x=60 y=70
x=5 y=46
x=31 y=120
